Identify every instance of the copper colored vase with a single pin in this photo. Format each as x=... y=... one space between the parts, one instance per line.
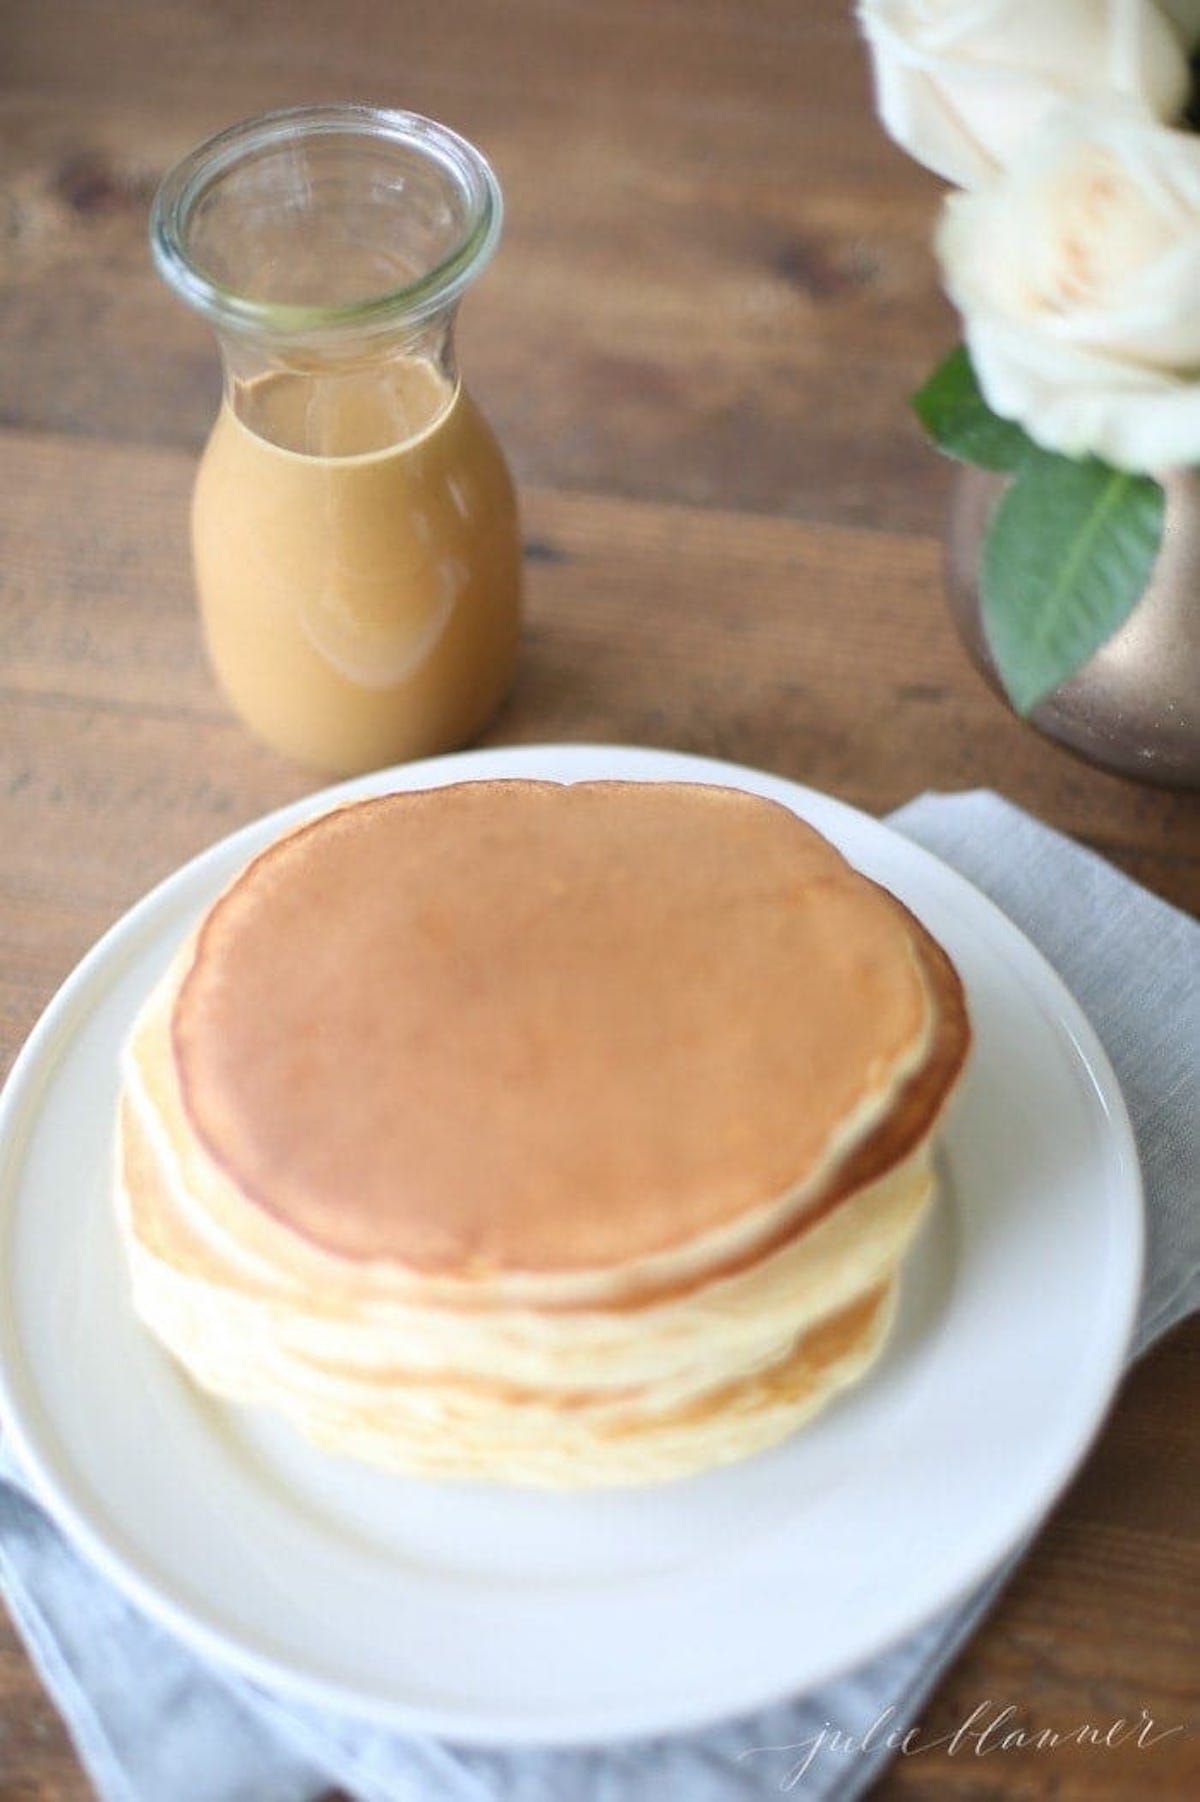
x=1135 y=706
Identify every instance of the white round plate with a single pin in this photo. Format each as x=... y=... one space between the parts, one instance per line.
x=491 y=1616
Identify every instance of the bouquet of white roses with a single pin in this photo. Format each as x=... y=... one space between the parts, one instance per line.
x=1073 y=255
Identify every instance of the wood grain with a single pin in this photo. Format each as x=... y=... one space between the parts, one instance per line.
x=714 y=294
x=700 y=260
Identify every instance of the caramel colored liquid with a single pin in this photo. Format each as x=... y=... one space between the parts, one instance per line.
x=357 y=558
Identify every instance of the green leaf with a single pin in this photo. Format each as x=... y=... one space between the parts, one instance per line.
x=953 y=411
x=1068 y=552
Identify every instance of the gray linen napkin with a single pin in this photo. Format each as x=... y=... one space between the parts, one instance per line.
x=154 y=1723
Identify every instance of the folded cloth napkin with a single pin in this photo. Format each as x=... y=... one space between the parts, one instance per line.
x=154 y=1723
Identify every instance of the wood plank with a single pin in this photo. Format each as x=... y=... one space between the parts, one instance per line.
x=821 y=652
x=694 y=271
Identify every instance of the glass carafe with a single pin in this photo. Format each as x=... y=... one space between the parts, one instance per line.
x=354 y=529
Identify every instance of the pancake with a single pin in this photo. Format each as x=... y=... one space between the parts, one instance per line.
x=531 y=1132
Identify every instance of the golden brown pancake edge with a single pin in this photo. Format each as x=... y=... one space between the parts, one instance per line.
x=929 y=980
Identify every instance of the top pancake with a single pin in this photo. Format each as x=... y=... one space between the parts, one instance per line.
x=517 y=1026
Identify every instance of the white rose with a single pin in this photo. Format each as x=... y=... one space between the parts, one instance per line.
x=961 y=84
x=1077 y=273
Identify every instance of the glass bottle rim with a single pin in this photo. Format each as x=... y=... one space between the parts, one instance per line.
x=433 y=292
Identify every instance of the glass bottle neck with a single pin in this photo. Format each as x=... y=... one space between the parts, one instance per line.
x=383 y=393
x=328 y=246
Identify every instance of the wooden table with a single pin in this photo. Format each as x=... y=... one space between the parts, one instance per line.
x=714 y=294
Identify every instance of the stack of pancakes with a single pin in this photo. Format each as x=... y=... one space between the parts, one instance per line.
x=559 y=1135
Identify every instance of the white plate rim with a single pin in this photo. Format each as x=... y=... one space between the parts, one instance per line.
x=32 y=1073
